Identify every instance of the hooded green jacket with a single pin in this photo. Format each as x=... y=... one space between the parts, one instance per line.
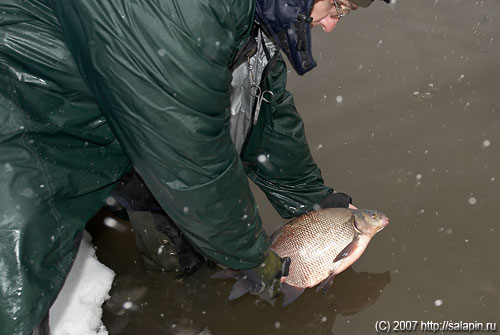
x=90 y=88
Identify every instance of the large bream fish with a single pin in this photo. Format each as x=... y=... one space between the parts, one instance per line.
x=320 y=244
x=323 y=243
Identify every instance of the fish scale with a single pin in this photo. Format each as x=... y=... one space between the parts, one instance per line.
x=312 y=242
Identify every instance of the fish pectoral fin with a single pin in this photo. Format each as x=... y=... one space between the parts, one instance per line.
x=291 y=293
x=326 y=284
x=347 y=250
x=241 y=287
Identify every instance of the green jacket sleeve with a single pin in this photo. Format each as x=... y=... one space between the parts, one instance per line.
x=277 y=155
x=159 y=71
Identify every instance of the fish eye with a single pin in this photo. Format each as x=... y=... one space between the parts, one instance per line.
x=373 y=216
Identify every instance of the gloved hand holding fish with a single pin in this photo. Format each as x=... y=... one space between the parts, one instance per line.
x=320 y=245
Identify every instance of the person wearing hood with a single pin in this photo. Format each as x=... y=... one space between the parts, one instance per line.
x=189 y=95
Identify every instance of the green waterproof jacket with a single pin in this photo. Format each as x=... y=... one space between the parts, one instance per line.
x=90 y=88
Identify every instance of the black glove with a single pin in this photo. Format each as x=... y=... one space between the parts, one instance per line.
x=337 y=199
x=264 y=279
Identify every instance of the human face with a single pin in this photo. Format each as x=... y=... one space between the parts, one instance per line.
x=325 y=14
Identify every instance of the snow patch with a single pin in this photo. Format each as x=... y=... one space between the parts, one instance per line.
x=78 y=308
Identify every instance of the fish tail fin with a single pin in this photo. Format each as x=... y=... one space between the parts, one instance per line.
x=291 y=293
x=241 y=287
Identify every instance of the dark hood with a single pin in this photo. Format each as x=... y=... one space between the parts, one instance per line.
x=289 y=24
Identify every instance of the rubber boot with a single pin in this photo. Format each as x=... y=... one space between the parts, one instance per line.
x=189 y=259
x=162 y=245
x=157 y=250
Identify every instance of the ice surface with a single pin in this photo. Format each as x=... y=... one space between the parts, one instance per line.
x=78 y=308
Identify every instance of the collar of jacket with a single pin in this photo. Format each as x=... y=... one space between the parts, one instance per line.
x=289 y=23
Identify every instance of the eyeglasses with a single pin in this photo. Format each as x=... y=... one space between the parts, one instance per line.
x=337 y=10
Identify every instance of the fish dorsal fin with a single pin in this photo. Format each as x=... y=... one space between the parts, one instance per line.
x=291 y=293
x=348 y=250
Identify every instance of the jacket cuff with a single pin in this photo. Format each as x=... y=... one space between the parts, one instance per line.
x=337 y=199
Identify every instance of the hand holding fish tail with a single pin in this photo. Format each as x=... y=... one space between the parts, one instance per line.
x=263 y=280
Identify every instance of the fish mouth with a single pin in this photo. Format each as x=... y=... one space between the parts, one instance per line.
x=384 y=224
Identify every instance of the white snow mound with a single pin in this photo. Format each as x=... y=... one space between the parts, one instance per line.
x=78 y=308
